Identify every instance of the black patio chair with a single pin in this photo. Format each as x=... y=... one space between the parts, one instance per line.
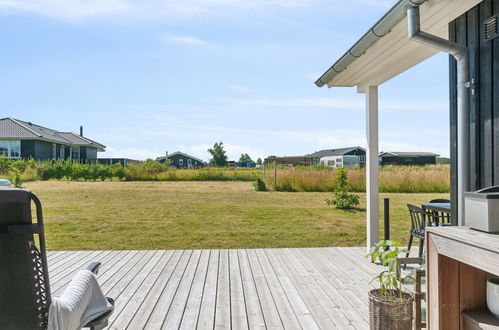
x=437 y=216
x=418 y=224
x=24 y=283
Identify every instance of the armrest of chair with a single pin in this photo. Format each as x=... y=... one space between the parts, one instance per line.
x=408 y=261
x=412 y=260
x=94 y=267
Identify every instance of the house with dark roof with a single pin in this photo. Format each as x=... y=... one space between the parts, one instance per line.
x=21 y=139
x=290 y=161
x=329 y=153
x=181 y=160
x=315 y=158
x=407 y=158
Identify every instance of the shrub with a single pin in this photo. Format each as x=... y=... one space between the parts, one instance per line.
x=259 y=185
x=146 y=171
x=15 y=178
x=341 y=198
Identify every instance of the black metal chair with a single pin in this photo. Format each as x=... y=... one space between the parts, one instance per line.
x=418 y=224
x=437 y=216
x=24 y=284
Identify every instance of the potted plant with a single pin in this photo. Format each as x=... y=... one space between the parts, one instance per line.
x=390 y=308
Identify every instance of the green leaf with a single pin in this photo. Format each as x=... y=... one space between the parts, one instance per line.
x=409 y=279
x=393 y=243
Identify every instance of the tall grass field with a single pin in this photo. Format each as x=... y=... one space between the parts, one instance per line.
x=403 y=179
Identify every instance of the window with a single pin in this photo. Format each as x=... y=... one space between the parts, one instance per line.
x=10 y=148
x=4 y=150
x=330 y=162
x=181 y=162
x=75 y=153
x=338 y=160
x=61 y=154
x=54 y=151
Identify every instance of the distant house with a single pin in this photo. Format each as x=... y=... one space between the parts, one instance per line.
x=330 y=154
x=245 y=164
x=182 y=160
x=340 y=161
x=288 y=160
x=20 y=139
x=407 y=158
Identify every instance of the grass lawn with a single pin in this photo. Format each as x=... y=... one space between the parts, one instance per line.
x=201 y=215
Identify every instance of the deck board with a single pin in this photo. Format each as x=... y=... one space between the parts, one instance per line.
x=295 y=288
x=206 y=319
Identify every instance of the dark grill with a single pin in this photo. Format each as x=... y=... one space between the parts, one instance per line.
x=490 y=28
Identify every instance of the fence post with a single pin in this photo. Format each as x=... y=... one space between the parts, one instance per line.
x=387 y=218
x=275 y=177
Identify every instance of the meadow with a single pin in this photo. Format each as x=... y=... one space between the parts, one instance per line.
x=194 y=215
x=403 y=179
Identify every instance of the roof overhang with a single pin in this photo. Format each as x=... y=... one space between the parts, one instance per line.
x=394 y=53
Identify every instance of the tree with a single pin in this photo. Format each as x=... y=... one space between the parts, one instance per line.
x=259 y=161
x=245 y=158
x=219 y=155
x=443 y=160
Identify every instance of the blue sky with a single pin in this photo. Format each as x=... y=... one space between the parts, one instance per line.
x=145 y=77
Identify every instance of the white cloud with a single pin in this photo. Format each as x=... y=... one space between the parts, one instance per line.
x=234 y=151
x=239 y=88
x=299 y=102
x=385 y=105
x=67 y=10
x=74 y=10
x=132 y=153
x=255 y=141
x=185 y=40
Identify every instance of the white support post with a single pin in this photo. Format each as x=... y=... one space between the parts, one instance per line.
x=372 y=154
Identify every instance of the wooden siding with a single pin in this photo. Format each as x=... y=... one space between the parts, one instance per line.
x=175 y=161
x=310 y=288
x=484 y=98
x=410 y=160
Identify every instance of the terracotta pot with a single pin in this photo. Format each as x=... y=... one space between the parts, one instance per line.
x=390 y=315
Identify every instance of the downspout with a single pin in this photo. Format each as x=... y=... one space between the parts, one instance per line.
x=460 y=53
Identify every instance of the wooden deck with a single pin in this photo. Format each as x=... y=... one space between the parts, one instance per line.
x=306 y=288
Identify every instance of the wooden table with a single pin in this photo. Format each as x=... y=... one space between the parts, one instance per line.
x=459 y=262
x=443 y=206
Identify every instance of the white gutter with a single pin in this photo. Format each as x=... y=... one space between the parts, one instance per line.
x=379 y=30
x=460 y=53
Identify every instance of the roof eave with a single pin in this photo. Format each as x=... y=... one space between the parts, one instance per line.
x=382 y=27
